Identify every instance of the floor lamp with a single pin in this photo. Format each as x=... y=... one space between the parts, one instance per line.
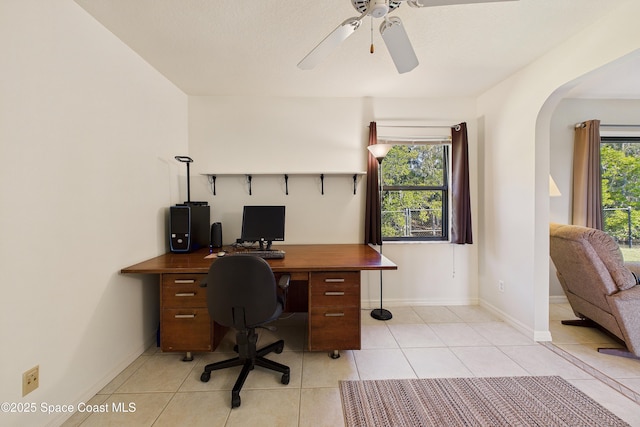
x=380 y=151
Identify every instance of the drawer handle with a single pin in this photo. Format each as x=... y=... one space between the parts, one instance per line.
x=185 y=294
x=184 y=281
x=334 y=293
x=334 y=315
x=341 y=280
x=185 y=316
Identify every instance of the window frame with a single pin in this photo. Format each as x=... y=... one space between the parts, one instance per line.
x=607 y=139
x=445 y=189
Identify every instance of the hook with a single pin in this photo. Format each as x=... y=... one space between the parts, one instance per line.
x=249 y=181
x=286 y=184
x=212 y=181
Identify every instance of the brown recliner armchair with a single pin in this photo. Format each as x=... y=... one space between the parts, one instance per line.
x=602 y=289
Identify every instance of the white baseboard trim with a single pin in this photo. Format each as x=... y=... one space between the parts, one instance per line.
x=558 y=299
x=371 y=304
x=88 y=394
x=536 y=335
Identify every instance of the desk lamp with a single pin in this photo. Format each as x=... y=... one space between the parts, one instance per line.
x=380 y=151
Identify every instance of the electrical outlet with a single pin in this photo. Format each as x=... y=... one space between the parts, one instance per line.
x=501 y=285
x=30 y=380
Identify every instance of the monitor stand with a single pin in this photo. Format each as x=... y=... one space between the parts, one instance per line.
x=262 y=244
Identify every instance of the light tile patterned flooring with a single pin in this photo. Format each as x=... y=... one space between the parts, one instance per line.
x=419 y=342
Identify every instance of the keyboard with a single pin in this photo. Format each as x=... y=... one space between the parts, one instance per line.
x=272 y=254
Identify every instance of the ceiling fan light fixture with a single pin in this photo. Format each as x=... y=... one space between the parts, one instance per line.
x=378 y=8
x=364 y=6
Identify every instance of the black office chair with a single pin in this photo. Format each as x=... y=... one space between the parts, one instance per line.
x=242 y=294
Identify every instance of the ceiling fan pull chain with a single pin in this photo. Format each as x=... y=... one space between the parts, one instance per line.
x=372 y=49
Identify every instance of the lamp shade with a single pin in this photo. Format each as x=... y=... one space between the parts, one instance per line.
x=379 y=151
x=553 y=188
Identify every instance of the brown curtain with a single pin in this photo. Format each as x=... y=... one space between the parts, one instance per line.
x=587 y=190
x=372 y=224
x=461 y=199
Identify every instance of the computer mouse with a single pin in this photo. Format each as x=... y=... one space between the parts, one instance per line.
x=221 y=253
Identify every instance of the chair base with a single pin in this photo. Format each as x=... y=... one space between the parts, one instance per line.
x=585 y=323
x=620 y=352
x=248 y=362
x=588 y=323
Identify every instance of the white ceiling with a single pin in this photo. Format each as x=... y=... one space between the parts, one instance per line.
x=251 y=47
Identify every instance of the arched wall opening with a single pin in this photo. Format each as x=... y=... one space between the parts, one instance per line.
x=516 y=118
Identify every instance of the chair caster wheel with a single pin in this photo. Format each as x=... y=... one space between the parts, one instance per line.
x=235 y=348
x=285 y=379
x=279 y=349
x=205 y=377
x=235 y=400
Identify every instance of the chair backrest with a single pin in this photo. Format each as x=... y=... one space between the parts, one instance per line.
x=241 y=284
x=589 y=262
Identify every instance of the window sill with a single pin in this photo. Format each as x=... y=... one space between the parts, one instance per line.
x=414 y=242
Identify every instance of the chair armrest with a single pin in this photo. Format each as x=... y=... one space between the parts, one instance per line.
x=634 y=267
x=625 y=307
x=283 y=283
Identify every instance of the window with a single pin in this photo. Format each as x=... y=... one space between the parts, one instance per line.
x=620 y=167
x=415 y=192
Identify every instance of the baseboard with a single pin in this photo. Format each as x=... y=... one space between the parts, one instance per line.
x=558 y=299
x=375 y=303
x=536 y=335
x=90 y=393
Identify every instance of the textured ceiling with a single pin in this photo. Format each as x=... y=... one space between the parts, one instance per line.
x=251 y=47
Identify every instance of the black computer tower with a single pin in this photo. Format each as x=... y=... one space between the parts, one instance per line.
x=189 y=226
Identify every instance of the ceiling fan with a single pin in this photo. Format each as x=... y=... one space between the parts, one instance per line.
x=392 y=31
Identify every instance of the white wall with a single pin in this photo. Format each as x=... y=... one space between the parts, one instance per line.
x=88 y=132
x=565 y=116
x=277 y=135
x=516 y=117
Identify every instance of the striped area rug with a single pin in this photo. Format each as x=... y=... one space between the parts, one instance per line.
x=499 y=401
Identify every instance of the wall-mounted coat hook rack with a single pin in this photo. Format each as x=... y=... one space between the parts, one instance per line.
x=249 y=179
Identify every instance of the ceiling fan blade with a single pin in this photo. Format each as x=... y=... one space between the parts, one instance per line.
x=331 y=42
x=398 y=44
x=429 y=3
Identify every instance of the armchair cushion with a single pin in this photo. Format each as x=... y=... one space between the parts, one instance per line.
x=610 y=254
x=600 y=252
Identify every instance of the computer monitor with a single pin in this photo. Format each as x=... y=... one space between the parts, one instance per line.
x=263 y=224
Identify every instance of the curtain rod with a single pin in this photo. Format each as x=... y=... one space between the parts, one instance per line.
x=456 y=127
x=434 y=138
x=605 y=125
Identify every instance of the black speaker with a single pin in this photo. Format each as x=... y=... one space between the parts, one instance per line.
x=216 y=235
x=188 y=226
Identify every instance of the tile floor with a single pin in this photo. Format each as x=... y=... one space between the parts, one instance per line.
x=419 y=342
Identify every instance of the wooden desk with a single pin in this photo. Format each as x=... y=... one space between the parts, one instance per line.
x=325 y=281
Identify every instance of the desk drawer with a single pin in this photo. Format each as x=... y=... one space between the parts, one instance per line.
x=186 y=329
x=334 y=328
x=183 y=290
x=338 y=289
